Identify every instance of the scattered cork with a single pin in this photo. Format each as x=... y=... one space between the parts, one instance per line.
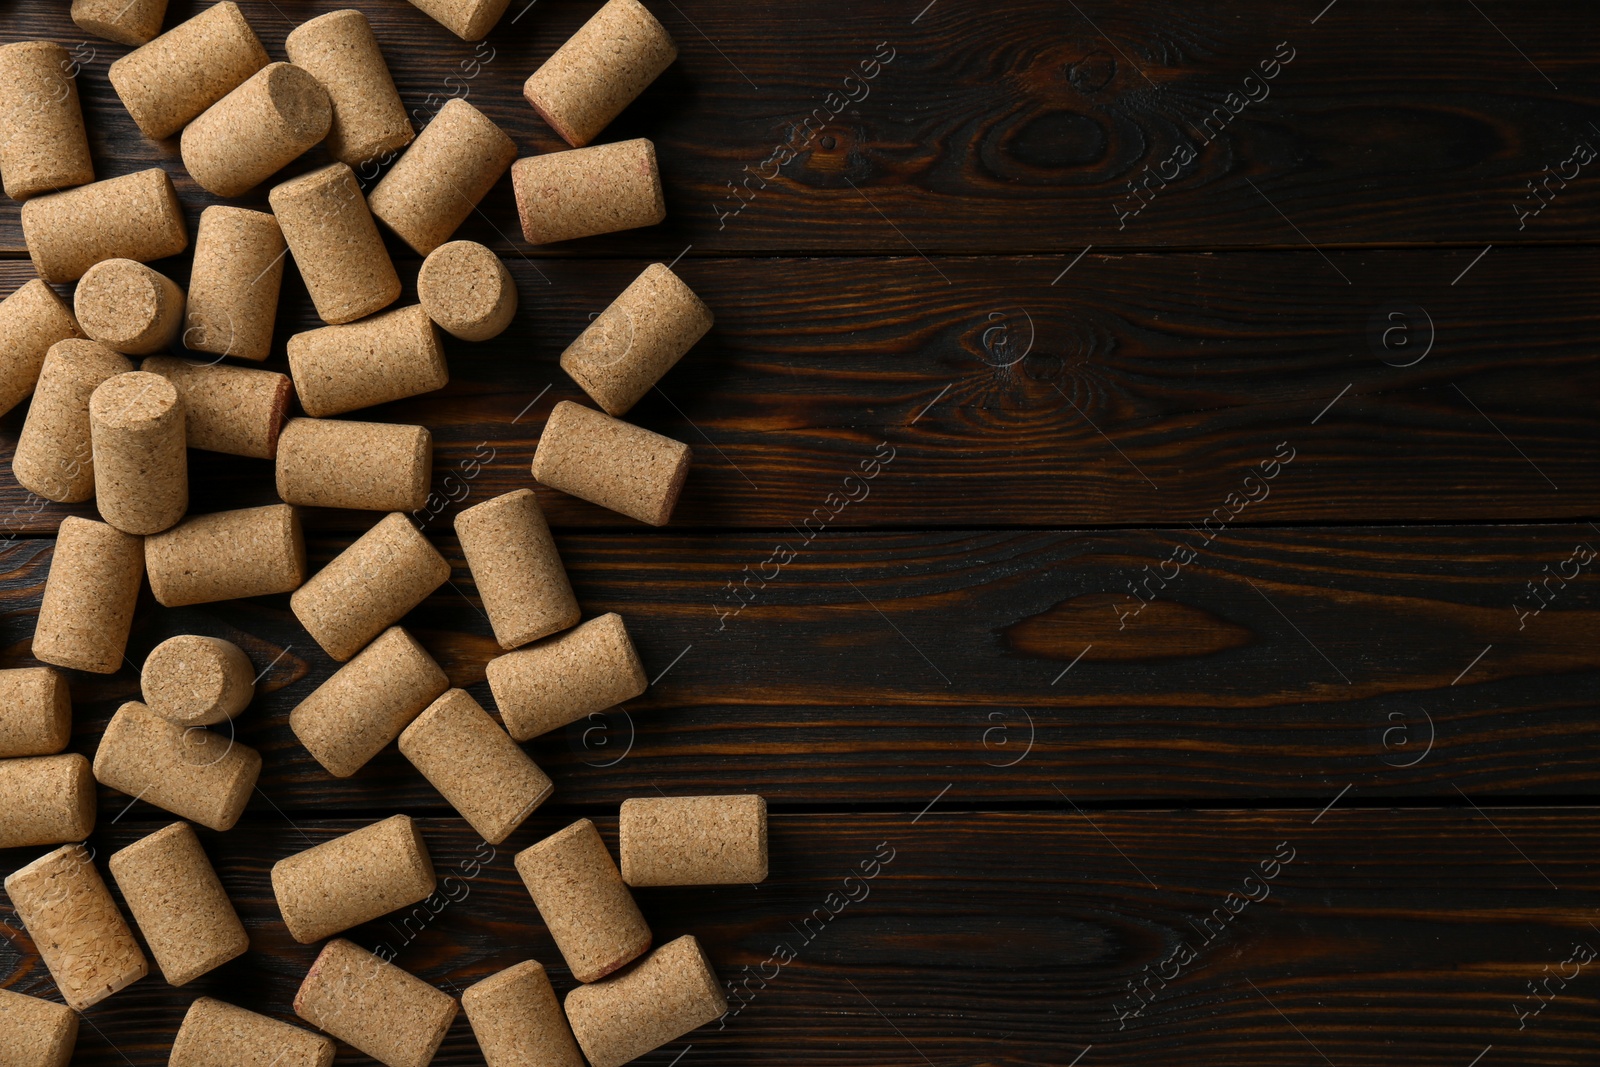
x=387 y=357
x=693 y=840
x=256 y=130
x=54 y=457
x=636 y=340
x=475 y=765
x=36 y=1033
x=141 y=470
x=178 y=903
x=674 y=990
x=347 y=881
x=335 y=243
x=432 y=189
x=87 y=609
x=237 y=410
x=583 y=901
x=612 y=463
x=35 y=712
x=467 y=290
x=128 y=307
x=175 y=77
x=370 y=466
x=470 y=20
x=374 y=1006
x=43 y=146
x=227 y=555
x=81 y=936
x=518 y=1021
x=217 y=1034
x=600 y=70
x=31 y=320
x=564 y=678
x=587 y=191
x=136 y=216
x=233 y=286
x=196 y=774
x=518 y=571
x=197 y=681
x=46 y=800
x=367 y=703
x=340 y=52
x=129 y=22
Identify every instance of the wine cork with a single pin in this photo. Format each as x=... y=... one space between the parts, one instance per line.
x=36 y=1033
x=175 y=77
x=340 y=52
x=518 y=1021
x=475 y=765
x=196 y=774
x=35 y=712
x=227 y=555
x=31 y=320
x=467 y=290
x=256 y=130
x=718 y=840
x=237 y=410
x=128 y=307
x=583 y=901
x=600 y=70
x=370 y=466
x=672 y=992
x=432 y=189
x=387 y=357
x=518 y=571
x=178 y=903
x=612 y=463
x=335 y=243
x=87 y=609
x=470 y=20
x=217 y=1034
x=141 y=471
x=129 y=22
x=367 y=703
x=136 y=216
x=564 y=678
x=46 y=800
x=233 y=287
x=197 y=681
x=366 y=1002
x=641 y=336
x=587 y=191
x=347 y=881
x=54 y=457
x=369 y=586
x=43 y=146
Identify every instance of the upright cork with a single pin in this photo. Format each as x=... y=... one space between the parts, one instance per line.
x=612 y=463
x=233 y=286
x=42 y=143
x=672 y=992
x=347 y=881
x=46 y=800
x=467 y=290
x=175 y=77
x=718 y=840
x=227 y=555
x=81 y=936
x=335 y=243
x=641 y=336
x=340 y=52
x=432 y=189
x=128 y=307
x=256 y=130
x=586 y=191
x=129 y=22
x=564 y=678
x=196 y=774
x=35 y=1032
x=387 y=357
x=583 y=901
x=178 y=903
x=475 y=765
x=470 y=20
x=518 y=571
x=366 y=1002
x=367 y=588
x=367 y=703
x=35 y=712
x=600 y=70
x=31 y=320
x=141 y=471
x=89 y=597
x=237 y=410
x=136 y=216
x=370 y=466
x=197 y=681
x=54 y=457
x=217 y=1034
x=518 y=1021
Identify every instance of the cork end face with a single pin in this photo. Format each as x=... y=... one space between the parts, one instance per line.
x=138 y=400
x=299 y=100
x=124 y=305
x=128 y=32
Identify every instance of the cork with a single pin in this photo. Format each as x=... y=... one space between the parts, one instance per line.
x=387 y=357
x=518 y=1021
x=36 y=1033
x=564 y=678
x=87 y=609
x=335 y=243
x=583 y=901
x=353 y=715
x=217 y=1034
x=612 y=463
x=353 y=878
x=256 y=130
x=641 y=336
x=178 y=903
x=46 y=800
x=196 y=774
x=233 y=286
x=467 y=290
x=227 y=555
x=129 y=22
x=674 y=990
x=432 y=189
x=394 y=1017
x=718 y=840
x=43 y=146
x=600 y=70
x=197 y=681
x=81 y=936
x=31 y=320
x=141 y=471
x=370 y=466
x=171 y=80
x=516 y=568
x=35 y=712
x=341 y=52
x=54 y=458
x=475 y=765
x=136 y=216
x=128 y=307
x=237 y=410
x=470 y=20
x=587 y=191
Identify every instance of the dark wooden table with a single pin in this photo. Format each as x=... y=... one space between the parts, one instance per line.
x=1207 y=662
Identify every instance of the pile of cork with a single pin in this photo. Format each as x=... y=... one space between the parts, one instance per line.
x=100 y=428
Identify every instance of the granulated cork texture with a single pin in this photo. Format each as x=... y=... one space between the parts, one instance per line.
x=637 y=339
x=518 y=1020
x=467 y=290
x=346 y=881
x=89 y=597
x=612 y=463
x=141 y=465
x=227 y=555
x=197 y=681
x=588 y=191
x=257 y=129
x=54 y=456
x=35 y=712
x=340 y=463
x=36 y=1033
x=437 y=184
x=339 y=50
x=387 y=357
x=335 y=243
x=234 y=283
x=674 y=990
x=218 y=1034
x=43 y=146
x=136 y=216
x=516 y=567
x=600 y=70
x=128 y=307
x=179 y=904
x=31 y=320
x=588 y=910
x=394 y=1017
x=197 y=774
x=175 y=77
x=237 y=410
x=563 y=678
x=46 y=800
